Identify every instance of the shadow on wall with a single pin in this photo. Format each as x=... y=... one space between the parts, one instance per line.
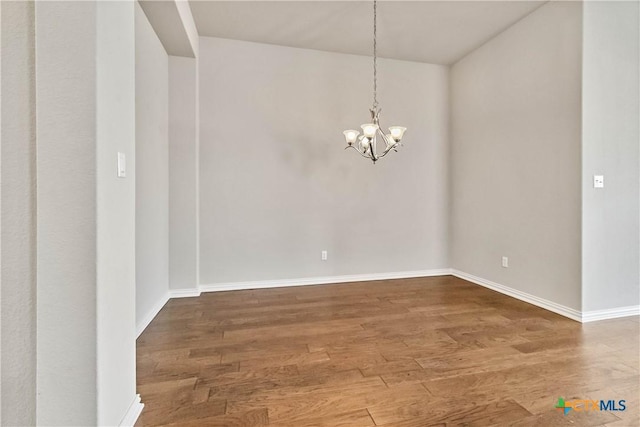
x=309 y=146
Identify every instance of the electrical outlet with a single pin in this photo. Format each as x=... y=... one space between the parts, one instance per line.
x=324 y=255
x=505 y=261
x=598 y=181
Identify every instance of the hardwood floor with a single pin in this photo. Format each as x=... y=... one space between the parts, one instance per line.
x=413 y=352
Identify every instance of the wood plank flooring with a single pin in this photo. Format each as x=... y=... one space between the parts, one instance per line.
x=412 y=352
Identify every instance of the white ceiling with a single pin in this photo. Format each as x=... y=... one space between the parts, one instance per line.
x=438 y=32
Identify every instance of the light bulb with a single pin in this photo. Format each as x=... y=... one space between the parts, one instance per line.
x=369 y=129
x=397 y=132
x=350 y=136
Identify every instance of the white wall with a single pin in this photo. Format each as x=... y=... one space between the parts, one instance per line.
x=516 y=173
x=66 y=213
x=152 y=175
x=183 y=169
x=610 y=232
x=276 y=186
x=116 y=289
x=18 y=274
x=85 y=216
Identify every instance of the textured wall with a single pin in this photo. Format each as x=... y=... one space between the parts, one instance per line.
x=276 y=186
x=516 y=136
x=611 y=246
x=18 y=275
x=152 y=169
x=183 y=173
x=66 y=218
x=116 y=285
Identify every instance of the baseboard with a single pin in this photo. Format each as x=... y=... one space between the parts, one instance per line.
x=142 y=325
x=612 y=313
x=590 y=316
x=522 y=296
x=184 y=293
x=262 y=284
x=133 y=412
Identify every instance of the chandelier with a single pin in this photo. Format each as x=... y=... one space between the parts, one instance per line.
x=367 y=143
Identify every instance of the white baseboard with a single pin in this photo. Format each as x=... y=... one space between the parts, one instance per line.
x=133 y=412
x=571 y=313
x=142 y=325
x=262 y=284
x=522 y=296
x=580 y=316
x=612 y=313
x=184 y=293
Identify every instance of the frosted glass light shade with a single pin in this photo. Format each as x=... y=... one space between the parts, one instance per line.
x=369 y=129
x=364 y=144
x=351 y=135
x=397 y=132
x=390 y=140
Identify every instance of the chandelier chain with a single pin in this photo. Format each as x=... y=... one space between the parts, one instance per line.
x=374 y=144
x=375 y=55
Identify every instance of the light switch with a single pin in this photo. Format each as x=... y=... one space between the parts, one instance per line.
x=598 y=181
x=122 y=165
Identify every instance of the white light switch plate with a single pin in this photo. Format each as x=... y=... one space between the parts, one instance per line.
x=598 y=181
x=122 y=165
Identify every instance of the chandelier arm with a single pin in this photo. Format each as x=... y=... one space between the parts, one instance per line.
x=385 y=153
x=386 y=140
x=359 y=152
x=389 y=146
x=372 y=150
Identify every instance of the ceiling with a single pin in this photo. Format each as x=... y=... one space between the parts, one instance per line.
x=437 y=32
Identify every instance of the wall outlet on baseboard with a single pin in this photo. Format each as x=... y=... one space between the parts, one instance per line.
x=505 y=261
x=324 y=255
